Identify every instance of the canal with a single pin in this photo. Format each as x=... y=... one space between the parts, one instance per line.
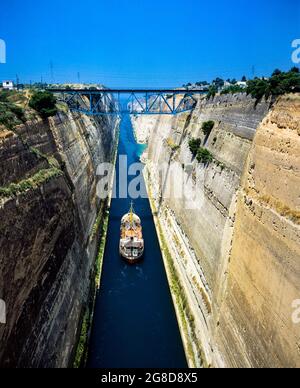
x=135 y=323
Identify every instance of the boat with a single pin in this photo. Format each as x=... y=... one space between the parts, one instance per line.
x=131 y=242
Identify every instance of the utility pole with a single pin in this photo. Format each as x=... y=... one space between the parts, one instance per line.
x=78 y=77
x=17 y=80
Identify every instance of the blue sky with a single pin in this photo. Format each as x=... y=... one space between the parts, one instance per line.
x=146 y=43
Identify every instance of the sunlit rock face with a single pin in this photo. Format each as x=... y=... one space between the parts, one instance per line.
x=47 y=254
x=237 y=254
x=264 y=270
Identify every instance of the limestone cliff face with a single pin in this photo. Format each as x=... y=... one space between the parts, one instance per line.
x=256 y=313
x=236 y=255
x=48 y=207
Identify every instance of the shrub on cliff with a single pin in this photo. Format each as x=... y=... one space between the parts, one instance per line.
x=204 y=156
x=6 y=118
x=31 y=183
x=18 y=111
x=212 y=91
x=44 y=103
x=4 y=95
x=207 y=127
x=233 y=89
x=194 y=145
x=174 y=147
x=11 y=115
x=280 y=83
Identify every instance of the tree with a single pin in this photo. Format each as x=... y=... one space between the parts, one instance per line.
x=233 y=89
x=258 y=88
x=276 y=72
x=4 y=95
x=278 y=84
x=212 y=91
x=204 y=156
x=202 y=83
x=219 y=82
x=44 y=103
x=207 y=127
x=244 y=79
x=194 y=145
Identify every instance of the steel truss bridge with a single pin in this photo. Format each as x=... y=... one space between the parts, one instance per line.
x=100 y=102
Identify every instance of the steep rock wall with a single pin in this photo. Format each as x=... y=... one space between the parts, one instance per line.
x=47 y=252
x=255 y=318
x=199 y=241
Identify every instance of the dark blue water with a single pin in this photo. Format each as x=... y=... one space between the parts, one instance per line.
x=135 y=324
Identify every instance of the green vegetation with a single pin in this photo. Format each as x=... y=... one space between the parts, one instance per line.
x=207 y=127
x=212 y=91
x=186 y=86
x=100 y=227
x=82 y=344
x=280 y=83
x=7 y=118
x=53 y=162
x=202 y=83
x=204 y=156
x=174 y=147
x=103 y=228
x=194 y=145
x=220 y=164
x=233 y=89
x=218 y=82
x=4 y=94
x=41 y=177
x=44 y=103
x=10 y=113
x=97 y=223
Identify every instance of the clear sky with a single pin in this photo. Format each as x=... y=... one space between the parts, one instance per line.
x=146 y=43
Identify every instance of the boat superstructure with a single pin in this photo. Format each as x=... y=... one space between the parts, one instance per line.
x=131 y=242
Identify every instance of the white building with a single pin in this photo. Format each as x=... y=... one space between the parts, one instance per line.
x=8 y=85
x=242 y=84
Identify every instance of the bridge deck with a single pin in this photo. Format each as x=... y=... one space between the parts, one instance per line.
x=129 y=91
x=138 y=101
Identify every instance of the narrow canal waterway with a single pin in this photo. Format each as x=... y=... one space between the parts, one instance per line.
x=135 y=324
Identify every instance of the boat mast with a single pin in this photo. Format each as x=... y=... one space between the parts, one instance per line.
x=131 y=214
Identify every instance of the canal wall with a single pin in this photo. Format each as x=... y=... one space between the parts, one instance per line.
x=49 y=238
x=233 y=262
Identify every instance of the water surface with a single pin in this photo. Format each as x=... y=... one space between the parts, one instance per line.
x=135 y=324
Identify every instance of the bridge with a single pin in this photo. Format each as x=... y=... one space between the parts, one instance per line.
x=100 y=102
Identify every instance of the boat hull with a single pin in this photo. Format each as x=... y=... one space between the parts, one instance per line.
x=131 y=259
